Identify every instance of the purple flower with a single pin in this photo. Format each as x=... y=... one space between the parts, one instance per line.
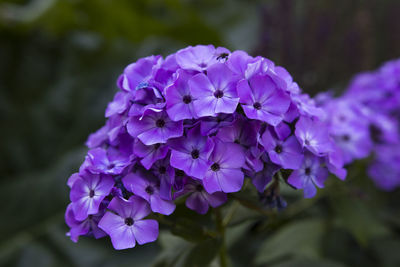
x=238 y=62
x=88 y=192
x=180 y=179
x=253 y=159
x=211 y=125
x=385 y=169
x=87 y=226
x=119 y=105
x=309 y=175
x=191 y=154
x=199 y=200
x=98 y=138
x=306 y=106
x=116 y=126
x=72 y=179
x=139 y=73
x=148 y=188
x=154 y=127
x=313 y=135
x=109 y=161
x=197 y=58
x=125 y=225
x=179 y=98
x=225 y=172
x=262 y=178
x=214 y=93
x=241 y=132
x=287 y=153
x=147 y=98
x=165 y=173
x=149 y=154
x=334 y=163
x=261 y=99
x=385 y=174
x=353 y=140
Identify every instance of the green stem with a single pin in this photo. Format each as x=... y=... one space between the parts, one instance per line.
x=223 y=254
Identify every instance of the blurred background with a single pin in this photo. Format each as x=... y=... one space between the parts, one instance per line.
x=59 y=60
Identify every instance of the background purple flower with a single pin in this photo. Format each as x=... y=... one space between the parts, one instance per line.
x=313 y=135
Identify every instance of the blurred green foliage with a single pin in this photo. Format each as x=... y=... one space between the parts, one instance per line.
x=59 y=60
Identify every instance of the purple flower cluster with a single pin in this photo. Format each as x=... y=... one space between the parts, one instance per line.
x=365 y=121
x=195 y=125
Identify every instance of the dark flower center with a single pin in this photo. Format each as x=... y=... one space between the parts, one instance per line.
x=90 y=217
x=179 y=173
x=202 y=65
x=110 y=166
x=307 y=171
x=195 y=154
x=389 y=94
x=278 y=149
x=199 y=188
x=162 y=170
x=157 y=146
x=187 y=99
x=345 y=137
x=160 y=123
x=257 y=105
x=215 y=167
x=149 y=190
x=129 y=221
x=91 y=193
x=237 y=141
x=218 y=93
x=376 y=133
x=307 y=142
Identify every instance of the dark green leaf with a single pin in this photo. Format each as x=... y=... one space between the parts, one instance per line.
x=298 y=238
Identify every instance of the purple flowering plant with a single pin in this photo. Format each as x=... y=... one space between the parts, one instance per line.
x=364 y=122
x=197 y=128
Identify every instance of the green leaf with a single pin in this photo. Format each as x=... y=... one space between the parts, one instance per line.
x=356 y=217
x=174 y=250
x=299 y=238
x=308 y=263
x=203 y=253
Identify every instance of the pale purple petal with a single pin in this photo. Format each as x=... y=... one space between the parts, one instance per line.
x=145 y=231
